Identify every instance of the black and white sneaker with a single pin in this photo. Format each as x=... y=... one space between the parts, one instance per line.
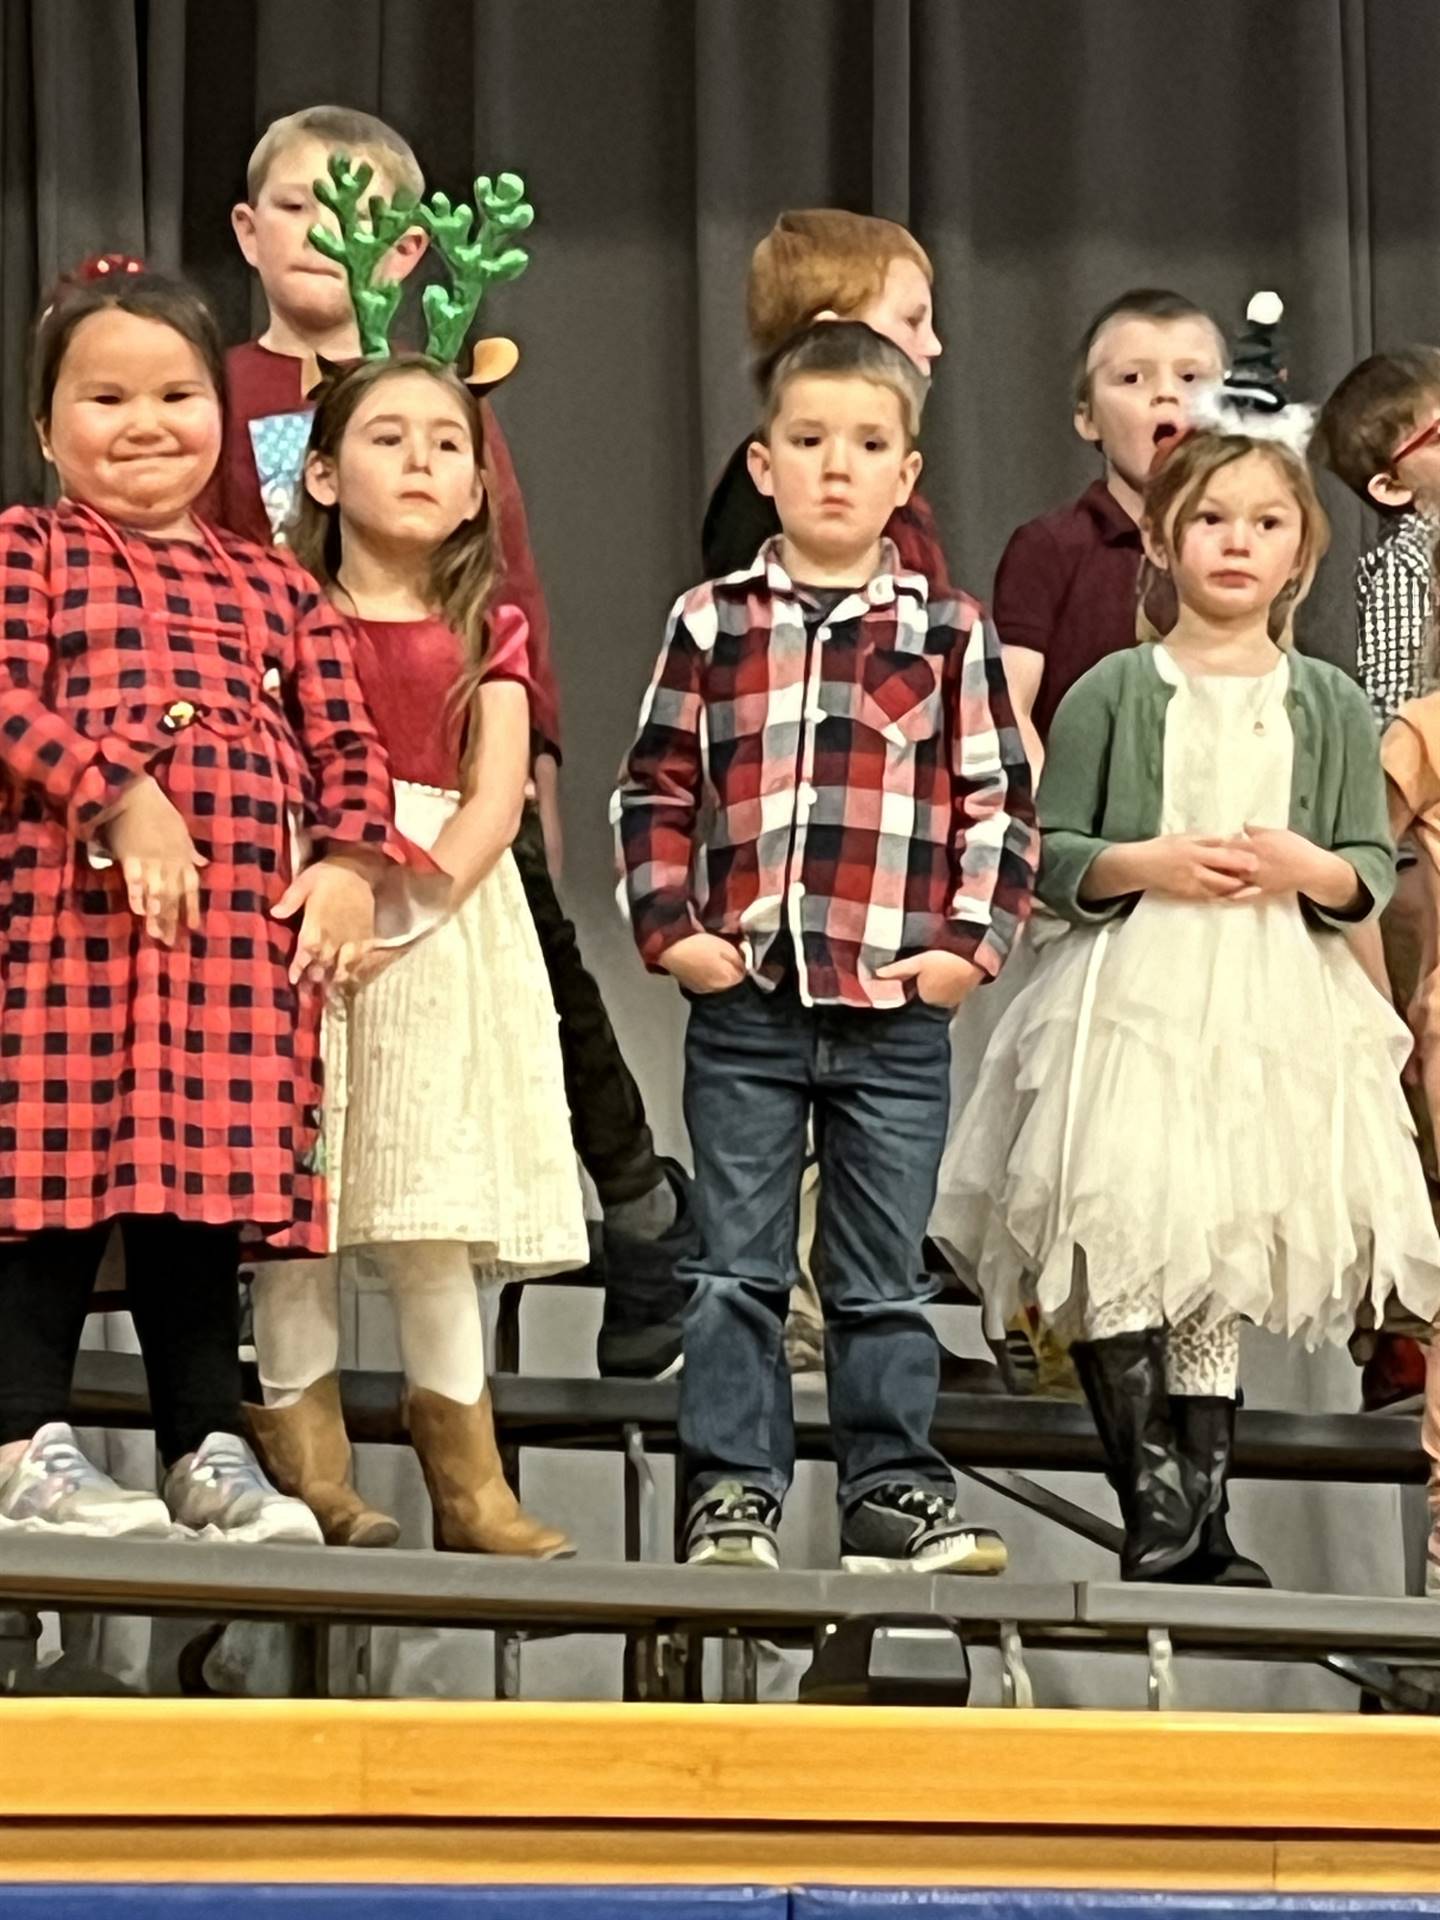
x=733 y=1526
x=907 y=1529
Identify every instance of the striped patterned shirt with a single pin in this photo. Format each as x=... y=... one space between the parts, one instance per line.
x=1395 y=601
x=852 y=790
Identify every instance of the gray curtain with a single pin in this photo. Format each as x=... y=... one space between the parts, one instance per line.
x=1048 y=154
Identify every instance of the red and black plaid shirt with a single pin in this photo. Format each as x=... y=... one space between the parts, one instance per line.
x=137 y=1078
x=857 y=785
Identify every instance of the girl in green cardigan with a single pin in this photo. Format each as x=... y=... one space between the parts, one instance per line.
x=1192 y=1116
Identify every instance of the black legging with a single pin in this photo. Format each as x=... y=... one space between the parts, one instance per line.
x=180 y=1280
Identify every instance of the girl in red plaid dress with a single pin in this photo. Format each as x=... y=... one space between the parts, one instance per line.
x=177 y=708
x=449 y=1154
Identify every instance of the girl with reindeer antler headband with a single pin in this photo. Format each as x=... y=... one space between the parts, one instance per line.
x=447 y=1127
x=1192 y=1114
x=648 y=1224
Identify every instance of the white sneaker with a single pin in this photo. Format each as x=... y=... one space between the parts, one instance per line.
x=52 y=1484
x=220 y=1489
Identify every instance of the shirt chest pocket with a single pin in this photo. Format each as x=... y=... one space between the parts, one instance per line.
x=900 y=695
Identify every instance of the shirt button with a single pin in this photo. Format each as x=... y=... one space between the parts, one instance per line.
x=178 y=715
x=815 y=715
x=808 y=795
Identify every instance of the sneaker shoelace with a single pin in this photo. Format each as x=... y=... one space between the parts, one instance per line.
x=742 y=1505
x=933 y=1508
x=228 y=1470
x=62 y=1461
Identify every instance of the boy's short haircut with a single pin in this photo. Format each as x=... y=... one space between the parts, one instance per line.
x=1372 y=412
x=346 y=130
x=841 y=349
x=1139 y=303
x=817 y=261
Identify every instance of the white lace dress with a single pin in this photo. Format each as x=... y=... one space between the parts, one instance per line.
x=446 y=1116
x=1204 y=1098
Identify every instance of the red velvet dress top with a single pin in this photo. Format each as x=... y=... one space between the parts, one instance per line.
x=408 y=670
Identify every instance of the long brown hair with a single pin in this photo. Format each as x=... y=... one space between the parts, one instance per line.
x=1172 y=501
x=462 y=568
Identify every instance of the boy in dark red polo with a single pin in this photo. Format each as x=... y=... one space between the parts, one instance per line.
x=1065 y=592
x=644 y=1200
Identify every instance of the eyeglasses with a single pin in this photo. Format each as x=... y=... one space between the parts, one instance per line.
x=1426 y=436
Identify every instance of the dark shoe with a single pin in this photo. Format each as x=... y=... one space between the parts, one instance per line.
x=733 y=1526
x=654 y=1352
x=908 y=1529
x=1018 y=1360
x=1163 y=1497
x=1205 y=1429
x=1393 y=1375
x=644 y=1300
x=960 y=1373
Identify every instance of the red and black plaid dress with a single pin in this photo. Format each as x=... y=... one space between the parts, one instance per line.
x=136 y=1078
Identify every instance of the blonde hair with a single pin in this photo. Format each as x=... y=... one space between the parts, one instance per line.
x=345 y=130
x=1172 y=501
x=817 y=261
x=462 y=568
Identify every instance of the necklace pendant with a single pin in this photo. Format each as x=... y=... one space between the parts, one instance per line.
x=1259 y=726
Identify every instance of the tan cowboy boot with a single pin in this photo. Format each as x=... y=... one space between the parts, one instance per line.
x=306 y=1450
x=475 y=1511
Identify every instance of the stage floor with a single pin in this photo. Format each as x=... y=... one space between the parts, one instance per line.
x=450 y=1792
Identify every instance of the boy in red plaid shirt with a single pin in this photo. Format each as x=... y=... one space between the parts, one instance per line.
x=827 y=837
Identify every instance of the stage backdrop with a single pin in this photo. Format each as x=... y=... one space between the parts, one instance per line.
x=1048 y=154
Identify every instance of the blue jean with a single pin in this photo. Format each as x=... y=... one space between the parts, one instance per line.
x=758 y=1065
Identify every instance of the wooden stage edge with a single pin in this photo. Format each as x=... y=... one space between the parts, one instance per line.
x=368 y=1791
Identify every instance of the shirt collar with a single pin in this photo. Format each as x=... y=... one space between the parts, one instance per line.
x=1412 y=540
x=880 y=590
x=1117 y=529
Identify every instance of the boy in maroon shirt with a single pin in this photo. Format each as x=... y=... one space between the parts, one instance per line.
x=1066 y=589
x=648 y=1225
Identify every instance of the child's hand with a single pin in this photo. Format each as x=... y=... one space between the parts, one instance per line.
x=339 y=922
x=704 y=963
x=1286 y=862
x=941 y=979
x=1193 y=866
x=149 y=838
x=371 y=964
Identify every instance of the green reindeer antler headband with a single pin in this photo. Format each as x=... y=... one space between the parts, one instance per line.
x=473 y=264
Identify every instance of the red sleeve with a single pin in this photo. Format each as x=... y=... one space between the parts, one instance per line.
x=657 y=804
x=519 y=583
x=82 y=779
x=1029 y=587
x=507 y=657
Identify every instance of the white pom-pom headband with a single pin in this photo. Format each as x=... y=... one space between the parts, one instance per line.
x=1213 y=410
x=1251 y=403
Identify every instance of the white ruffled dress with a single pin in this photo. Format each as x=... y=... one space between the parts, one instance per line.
x=1203 y=1098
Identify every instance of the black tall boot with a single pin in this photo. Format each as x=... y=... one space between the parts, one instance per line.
x=1205 y=1428
x=1163 y=1497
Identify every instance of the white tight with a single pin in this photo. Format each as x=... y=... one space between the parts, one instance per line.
x=437 y=1319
